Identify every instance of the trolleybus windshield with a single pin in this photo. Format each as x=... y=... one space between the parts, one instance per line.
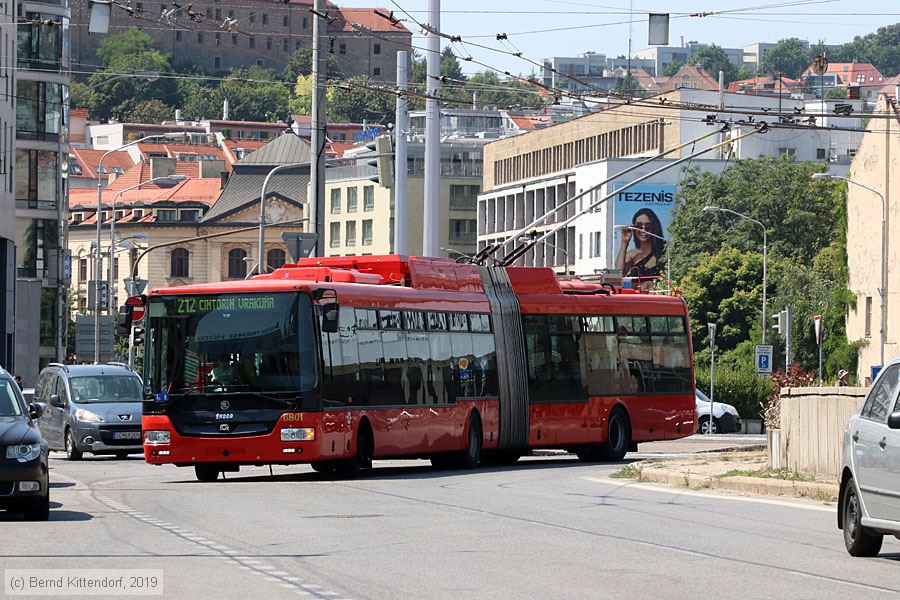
x=230 y=343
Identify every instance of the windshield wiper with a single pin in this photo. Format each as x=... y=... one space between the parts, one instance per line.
x=283 y=401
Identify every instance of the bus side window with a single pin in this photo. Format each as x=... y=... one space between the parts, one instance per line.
x=439 y=387
x=340 y=356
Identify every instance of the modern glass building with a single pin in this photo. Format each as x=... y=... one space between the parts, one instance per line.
x=42 y=68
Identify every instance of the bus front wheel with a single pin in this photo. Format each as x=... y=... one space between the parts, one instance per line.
x=206 y=473
x=618 y=439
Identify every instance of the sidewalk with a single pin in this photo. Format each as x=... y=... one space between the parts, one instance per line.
x=742 y=472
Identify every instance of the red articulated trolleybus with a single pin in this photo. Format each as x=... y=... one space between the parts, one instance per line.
x=336 y=361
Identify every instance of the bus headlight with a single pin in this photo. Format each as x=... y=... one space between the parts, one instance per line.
x=298 y=434
x=156 y=437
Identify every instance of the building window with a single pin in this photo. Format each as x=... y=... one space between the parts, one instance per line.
x=336 y=201
x=376 y=49
x=234 y=39
x=351 y=199
x=190 y=215
x=179 y=263
x=275 y=258
x=199 y=38
x=463 y=230
x=41 y=46
x=217 y=62
x=230 y=14
x=868 y=316
x=376 y=71
x=787 y=151
x=167 y=214
x=369 y=198
x=342 y=49
x=286 y=46
x=218 y=14
x=820 y=154
x=464 y=197
x=253 y=17
x=237 y=266
x=37 y=110
x=367 y=232
x=268 y=43
x=305 y=23
x=253 y=42
x=178 y=36
x=285 y=21
x=265 y=19
x=218 y=39
x=350 y=234
x=335 y=235
x=36 y=179
x=82 y=269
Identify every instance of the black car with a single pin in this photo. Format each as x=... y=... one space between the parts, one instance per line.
x=24 y=474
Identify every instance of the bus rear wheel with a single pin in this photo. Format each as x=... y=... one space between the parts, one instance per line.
x=206 y=473
x=618 y=439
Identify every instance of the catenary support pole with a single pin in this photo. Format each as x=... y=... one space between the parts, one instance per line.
x=317 y=161
x=401 y=128
x=431 y=243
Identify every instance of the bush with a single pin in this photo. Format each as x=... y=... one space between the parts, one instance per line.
x=743 y=389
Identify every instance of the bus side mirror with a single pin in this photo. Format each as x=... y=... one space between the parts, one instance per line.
x=330 y=312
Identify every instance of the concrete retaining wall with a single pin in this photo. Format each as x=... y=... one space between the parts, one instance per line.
x=812 y=427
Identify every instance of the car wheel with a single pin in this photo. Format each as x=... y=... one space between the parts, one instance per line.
x=206 y=473
x=859 y=540
x=40 y=510
x=72 y=453
x=703 y=425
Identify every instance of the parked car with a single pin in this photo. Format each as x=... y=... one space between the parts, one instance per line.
x=869 y=498
x=725 y=417
x=91 y=408
x=24 y=473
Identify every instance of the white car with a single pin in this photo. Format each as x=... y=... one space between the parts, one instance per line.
x=725 y=417
x=869 y=500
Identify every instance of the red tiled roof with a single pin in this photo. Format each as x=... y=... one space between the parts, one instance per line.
x=87 y=159
x=850 y=72
x=260 y=124
x=529 y=122
x=368 y=18
x=695 y=74
x=760 y=82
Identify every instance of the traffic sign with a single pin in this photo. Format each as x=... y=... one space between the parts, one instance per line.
x=763 y=358
x=137 y=307
x=135 y=287
x=817 y=322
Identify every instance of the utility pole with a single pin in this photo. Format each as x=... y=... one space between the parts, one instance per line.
x=317 y=133
x=431 y=230
x=401 y=128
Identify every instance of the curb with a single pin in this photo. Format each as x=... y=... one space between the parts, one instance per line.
x=755 y=486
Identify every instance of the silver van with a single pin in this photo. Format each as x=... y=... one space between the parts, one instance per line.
x=90 y=408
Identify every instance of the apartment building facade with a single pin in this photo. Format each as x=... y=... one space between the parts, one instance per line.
x=224 y=36
x=7 y=186
x=42 y=269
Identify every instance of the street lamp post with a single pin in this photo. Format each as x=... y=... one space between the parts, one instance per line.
x=99 y=217
x=883 y=291
x=261 y=262
x=765 y=256
x=659 y=237
x=112 y=230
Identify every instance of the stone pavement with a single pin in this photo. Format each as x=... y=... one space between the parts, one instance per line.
x=739 y=471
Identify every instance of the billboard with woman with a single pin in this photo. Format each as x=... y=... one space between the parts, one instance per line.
x=642 y=215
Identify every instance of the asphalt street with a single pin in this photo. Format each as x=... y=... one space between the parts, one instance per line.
x=548 y=527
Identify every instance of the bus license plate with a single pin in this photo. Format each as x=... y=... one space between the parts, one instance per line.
x=126 y=435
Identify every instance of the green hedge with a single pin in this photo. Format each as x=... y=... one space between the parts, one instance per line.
x=743 y=389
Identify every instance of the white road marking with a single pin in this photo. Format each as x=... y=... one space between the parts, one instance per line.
x=651 y=487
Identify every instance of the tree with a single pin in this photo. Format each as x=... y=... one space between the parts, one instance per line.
x=629 y=86
x=717 y=259
x=149 y=111
x=672 y=68
x=359 y=104
x=118 y=97
x=881 y=48
x=450 y=66
x=254 y=94
x=491 y=91
x=300 y=63
x=130 y=41
x=713 y=59
x=836 y=93
x=789 y=57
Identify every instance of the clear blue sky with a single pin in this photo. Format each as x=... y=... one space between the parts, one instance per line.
x=834 y=21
